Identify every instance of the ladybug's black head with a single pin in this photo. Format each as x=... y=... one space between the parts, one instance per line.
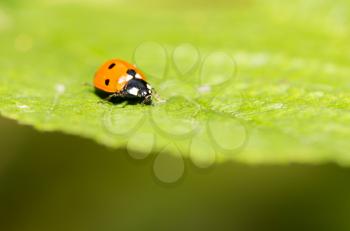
x=138 y=88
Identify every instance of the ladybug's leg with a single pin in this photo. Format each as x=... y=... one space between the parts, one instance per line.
x=147 y=100
x=111 y=96
x=114 y=95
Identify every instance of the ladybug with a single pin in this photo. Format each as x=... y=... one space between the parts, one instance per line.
x=117 y=78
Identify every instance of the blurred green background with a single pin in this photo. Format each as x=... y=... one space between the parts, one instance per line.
x=52 y=181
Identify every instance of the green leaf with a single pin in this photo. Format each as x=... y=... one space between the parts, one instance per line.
x=264 y=82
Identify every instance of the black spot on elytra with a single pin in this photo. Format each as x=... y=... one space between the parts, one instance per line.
x=107 y=82
x=131 y=72
x=111 y=66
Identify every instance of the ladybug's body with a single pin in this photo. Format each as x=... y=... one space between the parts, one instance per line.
x=118 y=78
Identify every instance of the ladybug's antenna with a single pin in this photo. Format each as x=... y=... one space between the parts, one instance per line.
x=157 y=97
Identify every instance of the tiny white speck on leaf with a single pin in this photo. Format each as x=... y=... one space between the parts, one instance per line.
x=317 y=94
x=204 y=89
x=60 y=88
x=22 y=106
x=275 y=106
